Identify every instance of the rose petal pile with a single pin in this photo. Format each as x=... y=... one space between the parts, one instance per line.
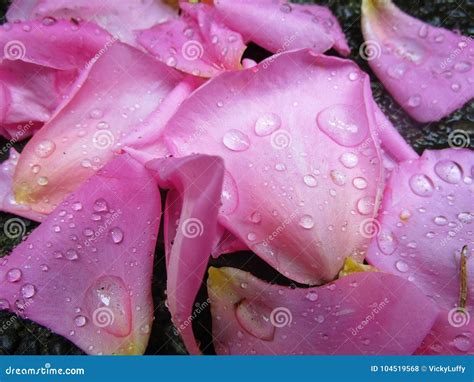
x=290 y=158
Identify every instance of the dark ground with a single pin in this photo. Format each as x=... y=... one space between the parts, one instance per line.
x=26 y=337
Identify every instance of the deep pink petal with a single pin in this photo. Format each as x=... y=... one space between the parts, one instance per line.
x=428 y=70
x=279 y=26
x=120 y=18
x=291 y=159
x=41 y=61
x=86 y=271
x=362 y=313
x=450 y=335
x=122 y=89
x=425 y=220
x=190 y=230
x=196 y=43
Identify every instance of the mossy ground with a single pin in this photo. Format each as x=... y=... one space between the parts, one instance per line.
x=26 y=337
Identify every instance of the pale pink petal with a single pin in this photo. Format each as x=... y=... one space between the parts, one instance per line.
x=196 y=43
x=123 y=87
x=279 y=26
x=190 y=228
x=120 y=18
x=7 y=200
x=368 y=313
x=303 y=169
x=428 y=70
x=41 y=61
x=86 y=271
x=425 y=220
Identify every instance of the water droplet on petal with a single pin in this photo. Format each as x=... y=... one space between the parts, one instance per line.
x=96 y=113
x=341 y=124
x=414 y=100
x=463 y=66
x=338 y=177
x=365 y=205
x=359 y=183
x=397 y=71
x=45 y=148
x=401 y=266
x=449 y=171
x=387 y=242
x=117 y=235
x=421 y=185
x=254 y=319
x=256 y=217
x=311 y=296
x=71 y=254
x=310 y=180
x=77 y=206
x=267 y=124
x=306 y=221
x=101 y=205
x=14 y=275
x=440 y=220
x=349 y=160
x=80 y=321
x=28 y=291
x=236 y=140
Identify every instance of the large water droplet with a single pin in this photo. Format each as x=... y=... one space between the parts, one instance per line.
x=462 y=343
x=365 y=205
x=101 y=205
x=256 y=217
x=440 y=220
x=338 y=177
x=267 y=124
x=310 y=180
x=343 y=125
x=14 y=275
x=306 y=221
x=28 y=291
x=236 y=140
x=254 y=319
x=401 y=266
x=414 y=100
x=117 y=235
x=449 y=171
x=108 y=303
x=80 y=321
x=463 y=66
x=421 y=185
x=45 y=148
x=349 y=160
x=387 y=242
x=359 y=183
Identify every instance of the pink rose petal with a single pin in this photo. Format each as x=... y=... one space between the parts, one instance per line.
x=41 y=62
x=363 y=313
x=428 y=70
x=303 y=171
x=122 y=89
x=190 y=228
x=120 y=18
x=196 y=43
x=86 y=271
x=425 y=220
x=279 y=26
